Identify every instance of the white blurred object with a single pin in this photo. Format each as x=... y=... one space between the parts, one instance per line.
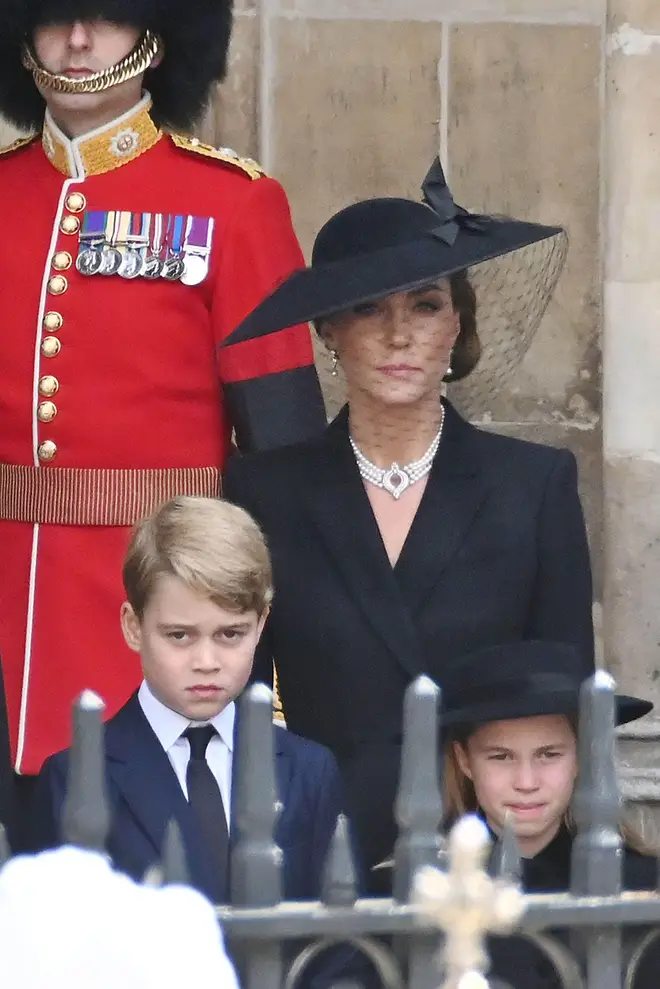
x=67 y=919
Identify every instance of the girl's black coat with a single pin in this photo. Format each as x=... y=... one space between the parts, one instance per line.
x=522 y=965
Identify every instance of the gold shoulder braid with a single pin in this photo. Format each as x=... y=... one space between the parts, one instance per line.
x=20 y=143
x=226 y=155
x=278 y=713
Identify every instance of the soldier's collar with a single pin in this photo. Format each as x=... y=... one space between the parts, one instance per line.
x=104 y=149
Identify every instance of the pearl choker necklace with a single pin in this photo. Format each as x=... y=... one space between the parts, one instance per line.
x=396 y=479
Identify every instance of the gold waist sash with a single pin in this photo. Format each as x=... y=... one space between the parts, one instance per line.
x=91 y=496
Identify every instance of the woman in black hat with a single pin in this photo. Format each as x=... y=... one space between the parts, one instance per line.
x=404 y=536
x=510 y=717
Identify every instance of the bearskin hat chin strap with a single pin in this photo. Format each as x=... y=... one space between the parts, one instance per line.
x=134 y=64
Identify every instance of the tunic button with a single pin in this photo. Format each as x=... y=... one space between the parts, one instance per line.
x=76 y=202
x=47 y=450
x=50 y=347
x=62 y=260
x=57 y=285
x=46 y=411
x=53 y=321
x=70 y=225
x=48 y=386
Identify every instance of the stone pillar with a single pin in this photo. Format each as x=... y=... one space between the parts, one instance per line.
x=631 y=383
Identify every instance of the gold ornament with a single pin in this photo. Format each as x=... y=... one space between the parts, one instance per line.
x=132 y=65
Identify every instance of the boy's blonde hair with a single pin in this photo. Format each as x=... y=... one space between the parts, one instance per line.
x=213 y=547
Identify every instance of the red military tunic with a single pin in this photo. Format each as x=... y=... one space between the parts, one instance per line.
x=114 y=393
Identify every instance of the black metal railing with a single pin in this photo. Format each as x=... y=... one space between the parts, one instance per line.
x=446 y=902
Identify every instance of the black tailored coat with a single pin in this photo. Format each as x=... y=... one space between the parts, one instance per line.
x=497 y=552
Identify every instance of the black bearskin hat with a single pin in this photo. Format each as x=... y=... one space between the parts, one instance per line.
x=195 y=34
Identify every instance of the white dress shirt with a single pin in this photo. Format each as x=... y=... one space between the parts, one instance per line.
x=168 y=727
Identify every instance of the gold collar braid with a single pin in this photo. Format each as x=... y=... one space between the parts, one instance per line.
x=132 y=65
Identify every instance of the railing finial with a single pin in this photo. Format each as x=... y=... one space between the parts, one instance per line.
x=466 y=904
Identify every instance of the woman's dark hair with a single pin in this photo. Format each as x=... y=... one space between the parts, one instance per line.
x=467 y=349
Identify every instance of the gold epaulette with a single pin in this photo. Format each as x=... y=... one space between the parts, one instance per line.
x=226 y=155
x=20 y=143
x=278 y=712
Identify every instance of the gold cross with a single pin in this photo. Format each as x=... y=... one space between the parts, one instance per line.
x=466 y=904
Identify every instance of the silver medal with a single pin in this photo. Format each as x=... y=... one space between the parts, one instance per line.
x=89 y=261
x=131 y=265
x=153 y=267
x=173 y=269
x=196 y=269
x=112 y=259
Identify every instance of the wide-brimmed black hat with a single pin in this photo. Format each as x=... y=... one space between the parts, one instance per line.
x=380 y=246
x=520 y=680
x=195 y=37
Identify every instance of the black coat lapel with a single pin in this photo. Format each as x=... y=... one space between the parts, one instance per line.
x=454 y=493
x=337 y=501
x=139 y=768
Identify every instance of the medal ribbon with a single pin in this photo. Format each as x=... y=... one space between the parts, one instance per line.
x=111 y=226
x=122 y=230
x=199 y=234
x=93 y=226
x=177 y=235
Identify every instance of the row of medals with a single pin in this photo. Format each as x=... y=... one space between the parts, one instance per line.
x=131 y=263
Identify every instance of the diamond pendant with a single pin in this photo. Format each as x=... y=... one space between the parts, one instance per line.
x=395 y=481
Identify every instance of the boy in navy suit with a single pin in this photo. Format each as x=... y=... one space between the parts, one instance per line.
x=197 y=577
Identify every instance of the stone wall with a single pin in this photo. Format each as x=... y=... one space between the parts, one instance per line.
x=631 y=162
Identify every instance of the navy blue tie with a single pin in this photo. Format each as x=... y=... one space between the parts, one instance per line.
x=206 y=804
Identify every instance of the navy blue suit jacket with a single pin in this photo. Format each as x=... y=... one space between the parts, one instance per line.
x=144 y=795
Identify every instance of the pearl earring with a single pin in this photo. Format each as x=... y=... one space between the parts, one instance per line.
x=449 y=372
x=335 y=363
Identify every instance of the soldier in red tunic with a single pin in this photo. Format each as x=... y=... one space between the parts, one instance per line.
x=129 y=252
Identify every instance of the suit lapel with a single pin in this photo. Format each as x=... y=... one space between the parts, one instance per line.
x=453 y=496
x=338 y=503
x=143 y=774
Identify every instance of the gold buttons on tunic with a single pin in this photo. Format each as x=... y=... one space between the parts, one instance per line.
x=46 y=411
x=53 y=322
x=50 y=347
x=47 y=450
x=75 y=202
x=48 y=386
x=70 y=225
x=57 y=285
x=62 y=260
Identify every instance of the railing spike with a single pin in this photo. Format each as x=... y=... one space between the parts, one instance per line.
x=418 y=805
x=86 y=816
x=340 y=880
x=5 y=850
x=153 y=876
x=256 y=861
x=506 y=863
x=174 y=868
x=597 y=853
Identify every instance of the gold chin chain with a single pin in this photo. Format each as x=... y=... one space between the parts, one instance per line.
x=132 y=65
